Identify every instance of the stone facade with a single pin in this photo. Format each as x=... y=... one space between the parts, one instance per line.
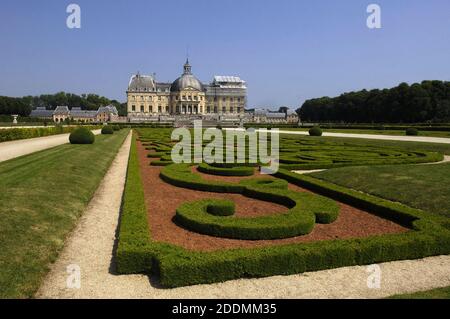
x=287 y=116
x=61 y=113
x=148 y=99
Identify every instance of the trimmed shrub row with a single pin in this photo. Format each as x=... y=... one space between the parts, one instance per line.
x=226 y=171
x=24 y=133
x=412 y=131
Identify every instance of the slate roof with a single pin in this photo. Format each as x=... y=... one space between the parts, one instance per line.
x=61 y=110
x=41 y=112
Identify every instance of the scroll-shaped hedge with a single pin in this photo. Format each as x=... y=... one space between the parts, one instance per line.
x=305 y=210
x=226 y=171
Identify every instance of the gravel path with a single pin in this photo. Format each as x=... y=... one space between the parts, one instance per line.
x=425 y=139
x=13 y=149
x=91 y=245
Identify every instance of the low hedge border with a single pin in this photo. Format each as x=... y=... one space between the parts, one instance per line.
x=12 y=134
x=226 y=171
x=160 y=163
x=176 y=266
x=305 y=210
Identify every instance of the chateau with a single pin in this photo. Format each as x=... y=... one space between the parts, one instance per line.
x=61 y=113
x=147 y=98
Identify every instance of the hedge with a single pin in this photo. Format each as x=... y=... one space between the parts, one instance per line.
x=315 y=131
x=299 y=154
x=221 y=207
x=24 y=133
x=82 y=135
x=411 y=131
x=305 y=210
x=176 y=266
x=107 y=129
x=226 y=171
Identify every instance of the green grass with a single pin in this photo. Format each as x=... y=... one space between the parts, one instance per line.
x=408 y=146
x=376 y=132
x=42 y=196
x=439 y=293
x=421 y=186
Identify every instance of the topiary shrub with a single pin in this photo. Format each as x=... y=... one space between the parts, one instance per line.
x=315 y=131
x=82 y=135
x=221 y=208
x=116 y=128
x=412 y=131
x=107 y=129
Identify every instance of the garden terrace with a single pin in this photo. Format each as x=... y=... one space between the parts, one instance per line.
x=368 y=229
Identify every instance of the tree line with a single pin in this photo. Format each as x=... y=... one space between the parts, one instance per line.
x=24 y=105
x=428 y=101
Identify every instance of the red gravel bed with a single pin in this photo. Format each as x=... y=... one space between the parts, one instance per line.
x=162 y=199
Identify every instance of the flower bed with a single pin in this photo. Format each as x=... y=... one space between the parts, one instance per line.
x=176 y=266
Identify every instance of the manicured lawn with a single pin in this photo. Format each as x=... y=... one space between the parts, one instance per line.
x=411 y=146
x=439 y=293
x=42 y=196
x=377 y=132
x=420 y=186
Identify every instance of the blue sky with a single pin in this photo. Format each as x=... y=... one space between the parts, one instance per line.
x=286 y=50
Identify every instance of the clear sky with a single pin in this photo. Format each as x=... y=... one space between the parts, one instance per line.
x=286 y=50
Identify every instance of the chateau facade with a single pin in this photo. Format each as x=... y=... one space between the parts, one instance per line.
x=61 y=113
x=185 y=96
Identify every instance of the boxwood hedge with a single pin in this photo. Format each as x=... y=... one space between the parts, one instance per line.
x=220 y=207
x=176 y=266
x=305 y=210
x=226 y=171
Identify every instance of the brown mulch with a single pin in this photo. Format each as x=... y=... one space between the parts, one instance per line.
x=162 y=199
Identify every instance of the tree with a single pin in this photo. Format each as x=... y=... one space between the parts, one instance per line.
x=420 y=102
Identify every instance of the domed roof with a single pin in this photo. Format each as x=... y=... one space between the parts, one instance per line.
x=187 y=80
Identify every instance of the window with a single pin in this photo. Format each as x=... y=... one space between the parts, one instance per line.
x=142 y=108
x=133 y=108
x=159 y=98
x=239 y=99
x=224 y=110
x=231 y=109
x=159 y=108
x=223 y=99
x=208 y=109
